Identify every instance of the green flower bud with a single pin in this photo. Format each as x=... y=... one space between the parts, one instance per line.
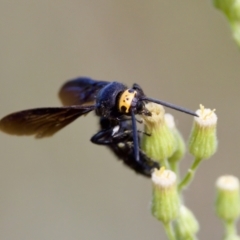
x=162 y=143
x=186 y=225
x=165 y=202
x=231 y=8
x=203 y=140
x=180 y=144
x=236 y=31
x=228 y=198
x=232 y=237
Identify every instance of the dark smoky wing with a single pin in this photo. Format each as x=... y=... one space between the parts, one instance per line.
x=80 y=91
x=41 y=122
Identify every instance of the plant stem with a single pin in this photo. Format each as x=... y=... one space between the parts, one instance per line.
x=230 y=229
x=169 y=231
x=189 y=176
x=165 y=163
x=174 y=166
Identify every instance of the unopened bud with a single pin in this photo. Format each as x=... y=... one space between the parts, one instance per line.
x=228 y=198
x=186 y=225
x=231 y=8
x=232 y=237
x=180 y=144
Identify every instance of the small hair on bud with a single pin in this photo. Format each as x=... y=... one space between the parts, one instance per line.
x=207 y=117
x=228 y=183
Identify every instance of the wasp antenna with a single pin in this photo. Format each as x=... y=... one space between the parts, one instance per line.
x=170 y=105
x=135 y=137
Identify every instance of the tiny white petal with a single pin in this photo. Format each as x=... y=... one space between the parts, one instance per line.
x=164 y=178
x=206 y=117
x=229 y=183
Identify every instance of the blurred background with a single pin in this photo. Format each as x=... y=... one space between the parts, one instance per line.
x=65 y=187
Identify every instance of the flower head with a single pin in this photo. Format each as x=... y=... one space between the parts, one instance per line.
x=203 y=140
x=228 y=198
x=165 y=202
x=161 y=143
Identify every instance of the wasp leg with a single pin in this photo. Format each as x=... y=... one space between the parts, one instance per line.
x=111 y=136
x=102 y=137
x=145 y=133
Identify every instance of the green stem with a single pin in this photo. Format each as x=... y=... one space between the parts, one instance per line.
x=169 y=231
x=230 y=229
x=174 y=166
x=189 y=176
x=165 y=163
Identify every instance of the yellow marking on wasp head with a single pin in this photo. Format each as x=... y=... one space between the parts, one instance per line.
x=125 y=100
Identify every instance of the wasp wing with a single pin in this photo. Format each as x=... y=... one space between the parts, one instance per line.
x=41 y=122
x=80 y=91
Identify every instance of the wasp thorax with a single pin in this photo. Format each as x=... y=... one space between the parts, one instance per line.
x=126 y=100
x=106 y=100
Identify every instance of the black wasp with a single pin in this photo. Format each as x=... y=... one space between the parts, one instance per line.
x=112 y=101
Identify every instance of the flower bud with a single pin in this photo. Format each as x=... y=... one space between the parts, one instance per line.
x=203 y=140
x=232 y=237
x=165 y=202
x=186 y=225
x=162 y=143
x=228 y=198
x=180 y=144
x=231 y=8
